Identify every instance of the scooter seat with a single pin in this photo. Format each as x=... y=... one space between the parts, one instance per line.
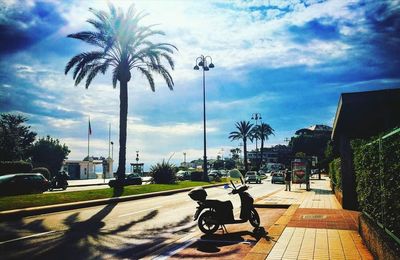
x=219 y=204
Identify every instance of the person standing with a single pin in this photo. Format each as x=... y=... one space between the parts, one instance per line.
x=288 y=179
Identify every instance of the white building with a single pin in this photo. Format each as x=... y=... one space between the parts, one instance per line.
x=80 y=169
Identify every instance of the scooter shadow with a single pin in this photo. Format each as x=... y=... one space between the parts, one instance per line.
x=213 y=243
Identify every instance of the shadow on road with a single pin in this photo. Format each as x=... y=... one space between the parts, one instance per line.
x=92 y=238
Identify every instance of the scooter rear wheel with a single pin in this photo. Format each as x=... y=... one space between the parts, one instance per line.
x=254 y=218
x=207 y=222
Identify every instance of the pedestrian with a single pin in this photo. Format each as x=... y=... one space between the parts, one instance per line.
x=288 y=179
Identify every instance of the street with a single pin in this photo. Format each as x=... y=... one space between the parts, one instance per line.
x=125 y=230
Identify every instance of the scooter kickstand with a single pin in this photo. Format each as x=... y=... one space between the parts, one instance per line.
x=224 y=230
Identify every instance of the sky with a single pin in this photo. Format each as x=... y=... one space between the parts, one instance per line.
x=287 y=60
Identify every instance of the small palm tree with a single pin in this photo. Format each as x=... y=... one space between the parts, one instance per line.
x=262 y=132
x=244 y=133
x=124 y=45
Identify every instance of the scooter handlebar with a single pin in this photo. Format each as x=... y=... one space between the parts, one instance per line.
x=233 y=185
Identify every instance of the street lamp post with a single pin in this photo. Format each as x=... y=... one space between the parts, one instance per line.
x=202 y=61
x=112 y=150
x=256 y=117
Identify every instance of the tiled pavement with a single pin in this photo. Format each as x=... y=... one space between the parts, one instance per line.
x=314 y=227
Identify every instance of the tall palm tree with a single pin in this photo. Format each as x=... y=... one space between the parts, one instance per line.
x=243 y=133
x=262 y=132
x=124 y=45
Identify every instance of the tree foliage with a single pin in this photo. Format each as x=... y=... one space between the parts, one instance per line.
x=262 y=132
x=123 y=44
x=244 y=133
x=15 y=137
x=218 y=165
x=49 y=153
x=310 y=144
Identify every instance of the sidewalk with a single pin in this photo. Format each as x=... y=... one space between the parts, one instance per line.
x=314 y=227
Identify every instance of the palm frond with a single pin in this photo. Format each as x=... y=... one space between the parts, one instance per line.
x=149 y=78
x=115 y=78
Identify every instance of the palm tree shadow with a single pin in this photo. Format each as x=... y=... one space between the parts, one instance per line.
x=118 y=191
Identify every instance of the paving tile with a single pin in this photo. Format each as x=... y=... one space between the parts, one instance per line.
x=308 y=244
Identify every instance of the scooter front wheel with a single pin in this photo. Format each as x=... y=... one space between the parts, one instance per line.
x=208 y=222
x=254 y=218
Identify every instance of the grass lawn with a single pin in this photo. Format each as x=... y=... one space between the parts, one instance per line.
x=34 y=200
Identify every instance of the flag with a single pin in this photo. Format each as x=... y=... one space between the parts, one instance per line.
x=90 y=128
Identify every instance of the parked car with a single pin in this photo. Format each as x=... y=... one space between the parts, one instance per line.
x=224 y=173
x=23 y=183
x=183 y=175
x=130 y=179
x=214 y=175
x=252 y=176
x=278 y=177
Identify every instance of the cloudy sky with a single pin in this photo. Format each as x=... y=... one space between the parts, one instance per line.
x=288 y=60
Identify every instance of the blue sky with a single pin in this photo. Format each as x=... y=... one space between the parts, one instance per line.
x=288 y=60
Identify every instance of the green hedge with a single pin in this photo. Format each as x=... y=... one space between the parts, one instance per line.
x=335 y=173
x=378 y=180
x=10 y=167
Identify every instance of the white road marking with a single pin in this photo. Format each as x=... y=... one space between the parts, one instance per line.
x=175 y=250
x=140 y=211
x=22 y=238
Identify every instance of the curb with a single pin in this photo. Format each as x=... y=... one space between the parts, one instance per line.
x=19 y=213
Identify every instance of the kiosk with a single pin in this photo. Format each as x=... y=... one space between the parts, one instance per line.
x=301 y=172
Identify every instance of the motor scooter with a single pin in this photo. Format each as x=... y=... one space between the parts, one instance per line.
x=57 y=183
x=214 y=213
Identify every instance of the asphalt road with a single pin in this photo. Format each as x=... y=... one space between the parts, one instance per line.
x=125 y=230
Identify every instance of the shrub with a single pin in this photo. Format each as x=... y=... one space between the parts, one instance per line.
x=163 y=173
x=335 y=173
x=42 y=170
x=196 y=176
x=378 y=183
x=10 y=167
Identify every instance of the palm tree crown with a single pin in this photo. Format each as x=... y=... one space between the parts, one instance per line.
x=124 y=45
x=262 y=132
x=244 y=133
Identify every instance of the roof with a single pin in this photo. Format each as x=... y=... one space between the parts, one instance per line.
x=314 y=129
x=365 y=114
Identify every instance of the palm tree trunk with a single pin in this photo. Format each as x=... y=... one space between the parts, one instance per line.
x=123 y=117
x=261 y=154
x=245 y=154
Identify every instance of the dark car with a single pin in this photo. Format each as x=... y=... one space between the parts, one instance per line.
x=23 y=183
x=183 y=175
x=130 y=179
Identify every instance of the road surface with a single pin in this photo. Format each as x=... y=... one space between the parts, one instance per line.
x=131 y=229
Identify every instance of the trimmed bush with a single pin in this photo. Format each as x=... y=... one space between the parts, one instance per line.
x=163 y=173
x=335 y=173
x=42 y=170
x=10 y=167
x=196 y=176
x=377 y=177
